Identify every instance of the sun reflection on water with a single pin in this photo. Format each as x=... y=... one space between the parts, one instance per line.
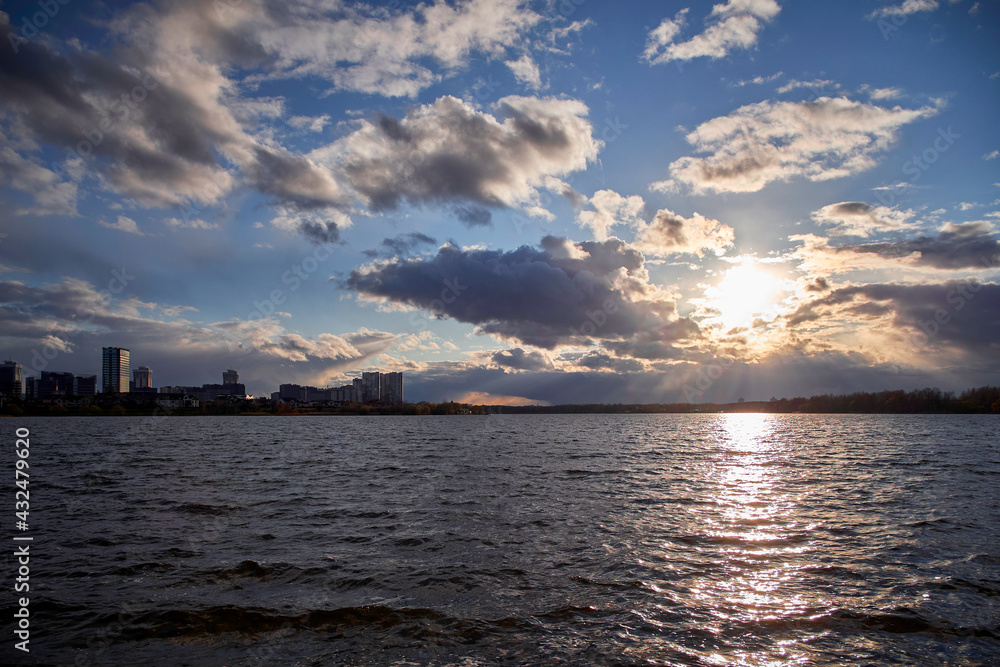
x=757 y=545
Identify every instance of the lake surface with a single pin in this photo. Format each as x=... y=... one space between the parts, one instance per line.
x=512 y=540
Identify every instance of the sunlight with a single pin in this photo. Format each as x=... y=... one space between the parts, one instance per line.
x=745 y=292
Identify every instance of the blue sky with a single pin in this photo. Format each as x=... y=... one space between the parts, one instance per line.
x=507 y=201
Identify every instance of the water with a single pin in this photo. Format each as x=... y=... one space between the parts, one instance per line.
x=514 y=540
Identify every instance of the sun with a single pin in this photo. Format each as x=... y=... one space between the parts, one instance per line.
x=744 y=293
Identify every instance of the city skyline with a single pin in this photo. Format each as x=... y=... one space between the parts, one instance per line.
x=509 y=201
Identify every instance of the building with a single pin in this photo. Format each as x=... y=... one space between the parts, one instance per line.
x=288 y=392
x=85 y=385
x=230 y=377
x=31 y=387
x=54 y=385
x=143 y=377
x=11 y=379
x=392 y=388
x=371 y=383
x=115 y=370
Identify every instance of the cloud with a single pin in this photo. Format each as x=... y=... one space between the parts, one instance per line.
x=562 y=293
x=971 y=245
x=908 y=7
x=882 y=93
x=992 y=155
x=160 y=119
x=518 y=359
x=609 y=209
x=670 y=233
x=448 y=151
x=966 y=246
x=402 y=245
x=195 y=223
x=313 y=123
x=854 y=218
x=734 y=25
x=123 y=224
x=815 y=84
x=52 y=194
x=957 y=319
x=525 y=70
x=777 y=141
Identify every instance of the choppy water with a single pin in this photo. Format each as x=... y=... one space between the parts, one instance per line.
x=514 y=540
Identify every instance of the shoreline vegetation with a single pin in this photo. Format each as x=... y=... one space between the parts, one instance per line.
x=979 y=400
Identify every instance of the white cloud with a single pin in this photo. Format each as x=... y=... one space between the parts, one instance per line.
x=882 y=93
x=123 y=224
x=777 y=141
x=852 y=218
x=816 y=84
x=195 y=223
x=610 y=209
x=313 y=123
x=734 y=25
x=670 y=234
x=526 y=71
x=908 y=7
x=993 y=155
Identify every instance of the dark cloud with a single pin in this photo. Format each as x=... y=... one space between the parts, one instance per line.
x=562 y=293
x=402 y=245
x=473 y=216
x=960 y=315
x=519 y=359
x=959 y=246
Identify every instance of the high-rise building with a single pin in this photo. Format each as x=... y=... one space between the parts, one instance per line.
x=230 y=377
x=11 y=379
x=143 y=377
x=85 y=385
x=392 y=388
x=371 y=383
x=114 y=370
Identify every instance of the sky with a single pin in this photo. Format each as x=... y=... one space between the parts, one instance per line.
x=510 y=202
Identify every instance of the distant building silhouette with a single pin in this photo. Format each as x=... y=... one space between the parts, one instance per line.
x=230 y=377
x=143 y=377
x=392 y=388
x=115 y=370
x=11 y=379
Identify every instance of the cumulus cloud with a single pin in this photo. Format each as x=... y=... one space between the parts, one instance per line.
x=160 y=117
x=608 y=209
x=449 y=151
x=854 y=218
x=562 y=293
x=670 y=233
x=731 y=26
x=776 y=141
x=522 y=360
